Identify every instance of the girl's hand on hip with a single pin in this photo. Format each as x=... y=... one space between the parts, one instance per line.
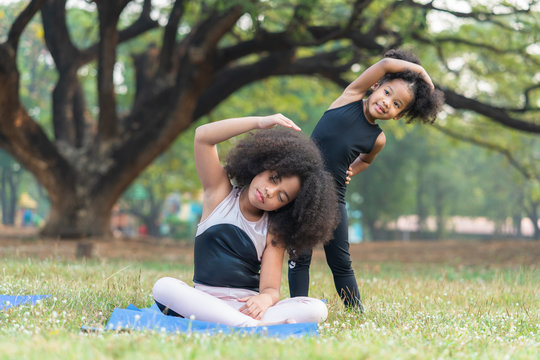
x=255 y=306
x=349 y=173
x=267 y=122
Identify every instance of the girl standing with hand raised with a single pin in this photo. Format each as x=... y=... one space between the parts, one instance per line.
x=350 y=138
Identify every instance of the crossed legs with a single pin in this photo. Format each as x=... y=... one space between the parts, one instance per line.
x=220 y=305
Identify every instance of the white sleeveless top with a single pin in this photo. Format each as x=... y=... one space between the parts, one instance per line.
x=228 y=212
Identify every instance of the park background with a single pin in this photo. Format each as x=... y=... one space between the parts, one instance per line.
x=99 y=102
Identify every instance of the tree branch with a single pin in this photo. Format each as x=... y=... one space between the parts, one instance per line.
x=496 y=114
x=198 y=51
x=56 y=33
x=140 y=26
x=269 y=42
x=145 y=65
x=301 y=14
x=26 y=141
x=108 y=13
x=169 y=37
x=67 y=128
x=231 y=79
x=478 y=45
x=526 y=172
x=358 y=7
x=22 y=20
x=528 y=99
x=480 y=16
x=265 y=41
x=210 y=31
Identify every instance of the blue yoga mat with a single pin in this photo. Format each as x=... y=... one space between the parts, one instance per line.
x=153 y=319
x=7 y=301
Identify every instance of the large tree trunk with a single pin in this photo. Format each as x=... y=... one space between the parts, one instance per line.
x=76 y=218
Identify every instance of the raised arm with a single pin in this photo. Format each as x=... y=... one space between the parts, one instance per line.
x=214 y=179
x=358 y=88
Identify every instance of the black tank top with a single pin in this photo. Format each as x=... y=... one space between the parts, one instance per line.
x=342 y=134
x=225 y=256
x=228 y=247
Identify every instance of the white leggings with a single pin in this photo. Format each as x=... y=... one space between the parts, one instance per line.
x=221 y=305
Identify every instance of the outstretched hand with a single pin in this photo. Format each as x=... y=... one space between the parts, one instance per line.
x=271 y=121
x=255 y=306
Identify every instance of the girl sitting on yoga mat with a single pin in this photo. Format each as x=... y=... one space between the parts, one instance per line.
x=282 y=199
x=350 y=139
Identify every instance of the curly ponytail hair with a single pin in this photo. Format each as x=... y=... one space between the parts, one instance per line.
x=426 y=104
x=312 y=216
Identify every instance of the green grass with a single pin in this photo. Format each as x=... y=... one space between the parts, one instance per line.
x=413 y=311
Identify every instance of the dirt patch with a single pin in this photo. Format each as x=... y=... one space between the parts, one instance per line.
x=485 y=253
x=16 y=242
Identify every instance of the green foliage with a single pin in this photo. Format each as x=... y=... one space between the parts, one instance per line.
x=424 y=172
x=83 y=25
x=417 y=166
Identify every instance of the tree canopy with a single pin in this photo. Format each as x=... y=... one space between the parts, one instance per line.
x=129 y=76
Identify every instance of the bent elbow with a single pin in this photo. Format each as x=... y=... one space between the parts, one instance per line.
x=200 y=133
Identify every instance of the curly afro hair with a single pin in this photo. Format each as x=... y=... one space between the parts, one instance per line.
x=426 y=104
x=312 y=216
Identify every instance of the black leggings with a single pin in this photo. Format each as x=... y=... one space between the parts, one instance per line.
x=339 y=260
